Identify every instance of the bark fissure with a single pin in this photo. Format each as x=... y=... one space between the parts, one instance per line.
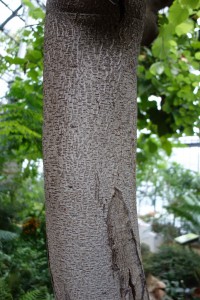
x=132 y=285
x=50 y=270
x=97 y=186
x=67 y=297
x=126 y=262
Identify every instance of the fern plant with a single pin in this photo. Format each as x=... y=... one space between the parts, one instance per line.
x=5 y=293
x=6 y=236
x=39 y=294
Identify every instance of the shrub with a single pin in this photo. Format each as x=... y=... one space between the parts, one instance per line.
x=174 y=264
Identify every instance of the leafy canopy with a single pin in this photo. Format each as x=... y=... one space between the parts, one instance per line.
x=168 y=81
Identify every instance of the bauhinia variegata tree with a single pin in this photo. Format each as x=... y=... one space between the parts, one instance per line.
x=89 y=144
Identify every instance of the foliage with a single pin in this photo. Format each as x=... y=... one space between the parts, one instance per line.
x=40 y=294
x=37 y=294
x=178 y=291
x=175 y=189
x=168 y=230
x=175 y=264
x=187 y=209
x=4 y=291
x=6 y=236
x=21 y=110
x=184 y=185
x=168 y=81
x=24 y=264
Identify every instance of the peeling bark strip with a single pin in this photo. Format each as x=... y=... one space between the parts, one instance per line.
x=126 y=262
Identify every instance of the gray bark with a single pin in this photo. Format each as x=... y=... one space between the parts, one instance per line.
x=89 y=143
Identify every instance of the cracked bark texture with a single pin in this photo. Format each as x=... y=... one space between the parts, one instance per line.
x=89 y=141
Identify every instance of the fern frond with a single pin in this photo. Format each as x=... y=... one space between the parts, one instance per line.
x=4 y=290
x=40 y=294
x=14 y=127
x=7 y=236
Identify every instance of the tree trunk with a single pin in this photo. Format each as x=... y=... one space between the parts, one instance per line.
x=89 y=146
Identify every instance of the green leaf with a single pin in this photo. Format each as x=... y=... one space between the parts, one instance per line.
x=195 y=45
x=191 y=3
x=177 y=14
x=197 y=55
x=33 y=74
x=152 y=145
x=28 y=3
x=37 y=13
x=167 y=146
x=162 y=45
x=157 y=68
x=184 y=28
x=15 y=60
x=34 y=55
